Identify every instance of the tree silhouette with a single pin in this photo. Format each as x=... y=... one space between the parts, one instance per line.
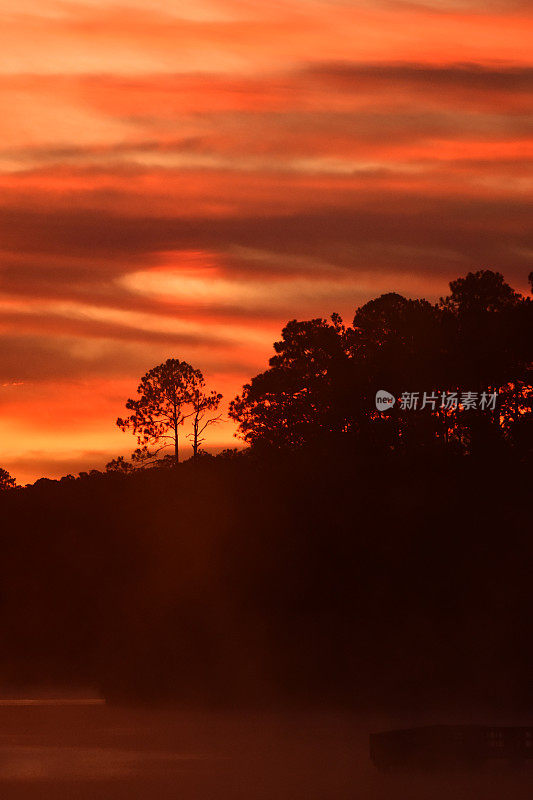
x=491 y=349
x=168 y=395
x=401 y=344
x=165 y=393
x=202 y=403
x=6 y=481
x=120 y=465
x=300 y=397
x=480 y=292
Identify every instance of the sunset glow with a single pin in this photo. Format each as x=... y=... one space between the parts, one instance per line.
x=179 y=179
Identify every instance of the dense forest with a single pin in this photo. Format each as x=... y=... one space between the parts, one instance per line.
x=347 y=555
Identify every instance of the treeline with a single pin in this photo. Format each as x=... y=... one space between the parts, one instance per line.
x=460 y=371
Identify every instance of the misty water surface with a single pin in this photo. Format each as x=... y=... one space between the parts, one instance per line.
x=79 y=751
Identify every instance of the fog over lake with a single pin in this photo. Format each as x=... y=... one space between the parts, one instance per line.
x=96 y=752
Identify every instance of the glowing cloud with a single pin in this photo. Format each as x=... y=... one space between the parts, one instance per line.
x=179 y=179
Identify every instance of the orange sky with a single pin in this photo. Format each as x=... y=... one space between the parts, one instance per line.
x=178 y=179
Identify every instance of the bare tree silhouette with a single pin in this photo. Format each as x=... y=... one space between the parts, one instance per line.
x=202 y=402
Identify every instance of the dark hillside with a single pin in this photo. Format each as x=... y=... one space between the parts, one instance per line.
x=311 y=576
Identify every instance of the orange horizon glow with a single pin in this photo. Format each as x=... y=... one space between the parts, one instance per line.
x=180 y=179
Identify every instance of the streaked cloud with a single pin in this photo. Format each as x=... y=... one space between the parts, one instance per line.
x=180 y=179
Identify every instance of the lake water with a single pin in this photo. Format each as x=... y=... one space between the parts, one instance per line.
x=89 y=751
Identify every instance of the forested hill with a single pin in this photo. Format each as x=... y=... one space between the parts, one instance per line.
x=318 y=575
x=353 y=553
